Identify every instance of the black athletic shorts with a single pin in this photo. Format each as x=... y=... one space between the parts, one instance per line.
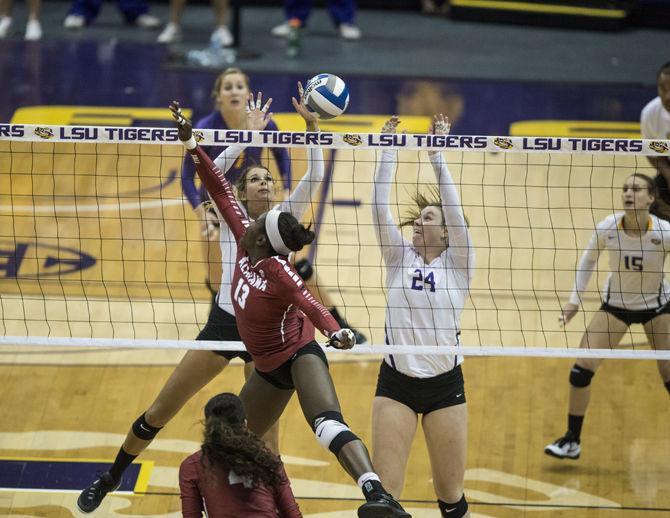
x=281 y=377
x=423 y=395
x=629 y=316
x=222 y=327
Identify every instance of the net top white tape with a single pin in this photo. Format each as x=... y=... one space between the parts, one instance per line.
x=537 y=352
x=168 y=136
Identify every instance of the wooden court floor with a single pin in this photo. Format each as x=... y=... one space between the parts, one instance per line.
x=78 y=405
x=529 y=217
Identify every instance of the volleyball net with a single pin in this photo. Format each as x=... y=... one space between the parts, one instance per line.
x=98 y=246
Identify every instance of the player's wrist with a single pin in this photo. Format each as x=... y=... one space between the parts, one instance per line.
x=190 y=144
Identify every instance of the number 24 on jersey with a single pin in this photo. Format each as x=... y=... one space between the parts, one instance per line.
x=419 y=282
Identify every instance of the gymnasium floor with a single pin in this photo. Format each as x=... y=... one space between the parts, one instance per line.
x=72 y=407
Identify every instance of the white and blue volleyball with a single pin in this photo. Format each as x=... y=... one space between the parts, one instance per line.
x=326 y=95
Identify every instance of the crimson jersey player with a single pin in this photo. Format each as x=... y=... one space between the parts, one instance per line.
x=233 y=474
x=276 y=316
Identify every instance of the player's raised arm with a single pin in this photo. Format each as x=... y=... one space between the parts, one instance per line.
x=309 y=185
x=389 y=237
x=211 y=176
x=460 y=242
x=257 y=118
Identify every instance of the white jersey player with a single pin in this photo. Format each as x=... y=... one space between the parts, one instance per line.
x=297 y=204
x=655 y=125
x=427 y=283
x=635 y=292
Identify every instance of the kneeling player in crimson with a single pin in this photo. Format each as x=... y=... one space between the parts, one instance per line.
x=276 y=315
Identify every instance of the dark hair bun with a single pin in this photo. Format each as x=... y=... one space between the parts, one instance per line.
x=293 y=233
x=227 y=407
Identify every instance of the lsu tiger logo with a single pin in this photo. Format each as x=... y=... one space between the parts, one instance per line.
x=659 y=147
x=198 y=135
x=503 y=143
x=45 y=133
x=352 y=140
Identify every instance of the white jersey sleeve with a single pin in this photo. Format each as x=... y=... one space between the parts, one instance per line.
x=589 y=260
x=645 y=122
x=655 y=120
x=388 y=235
x=301 y=198
x=228 y=157
x=460 y=252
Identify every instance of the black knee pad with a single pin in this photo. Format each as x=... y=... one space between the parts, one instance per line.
x=456 y=510
x=144 y=430
x=580 y=377
x=304 y=269
x=332 y=432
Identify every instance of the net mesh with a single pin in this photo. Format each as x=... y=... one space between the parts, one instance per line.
x=97 y=241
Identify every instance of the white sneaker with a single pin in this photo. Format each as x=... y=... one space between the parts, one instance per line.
x=146 y=21
x=74 y=21
x=350 y=32
x=33 y=31
x=563 y=448
x=171 y=34
x=221 y=37
x=281 y=31
x=5 y=25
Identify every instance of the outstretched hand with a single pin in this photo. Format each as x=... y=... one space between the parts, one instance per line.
x=391 y=125
x=311 y=118
x=184 y=126
x=257 y=117
x=342 y=339
x=567 y=312
x=440 y=125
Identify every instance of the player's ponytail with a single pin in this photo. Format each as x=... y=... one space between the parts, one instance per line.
x=294 y=235
x=228 y=444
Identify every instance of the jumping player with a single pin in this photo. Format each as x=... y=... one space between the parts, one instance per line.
x=256 y=191
x=427 y=283
x=276 y=316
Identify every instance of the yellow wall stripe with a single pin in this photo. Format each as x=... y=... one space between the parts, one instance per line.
x=575 y=128
x=540 y=8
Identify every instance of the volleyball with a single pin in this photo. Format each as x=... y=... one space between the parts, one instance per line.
x=326 y=95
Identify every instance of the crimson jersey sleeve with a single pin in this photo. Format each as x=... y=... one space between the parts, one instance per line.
x=284 y=499
x=191 y=501
x=293 y=290
x=220 y=191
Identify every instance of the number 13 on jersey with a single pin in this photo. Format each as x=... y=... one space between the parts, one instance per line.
x=241 y=293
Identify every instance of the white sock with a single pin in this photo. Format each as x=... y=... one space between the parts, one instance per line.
x=366 y=477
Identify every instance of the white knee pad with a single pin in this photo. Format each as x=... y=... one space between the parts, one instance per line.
x=332 y=432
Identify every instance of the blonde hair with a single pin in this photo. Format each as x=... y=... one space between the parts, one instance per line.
x=219 y=80
x=431 y=199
